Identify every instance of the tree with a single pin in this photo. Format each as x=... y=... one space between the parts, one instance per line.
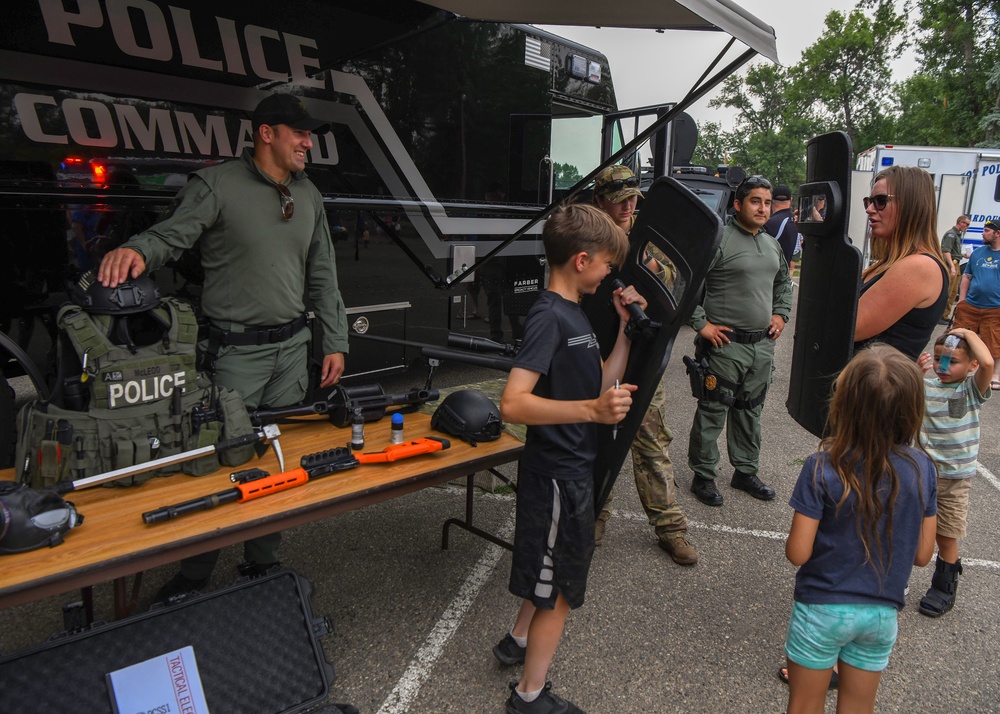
x=767 y=138
x=990 y=124
x=711 y=148
x=844 y=78
x=948 y=101
x=566 y=175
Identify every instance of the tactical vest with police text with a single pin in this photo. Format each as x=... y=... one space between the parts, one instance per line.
x=138 y=401
x=120 y=376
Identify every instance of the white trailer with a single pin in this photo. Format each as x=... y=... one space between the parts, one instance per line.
x=966 y=181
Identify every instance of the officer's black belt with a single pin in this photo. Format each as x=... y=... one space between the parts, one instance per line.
x=255 y=335
x=744 y=337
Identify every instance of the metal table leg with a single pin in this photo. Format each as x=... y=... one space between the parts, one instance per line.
x=466 y=524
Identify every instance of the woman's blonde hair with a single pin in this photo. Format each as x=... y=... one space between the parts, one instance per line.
x=875 y=413
x=916 y=219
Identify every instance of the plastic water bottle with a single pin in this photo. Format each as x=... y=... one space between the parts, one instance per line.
x=357 y=431
x=397 y=428
x=944 y=364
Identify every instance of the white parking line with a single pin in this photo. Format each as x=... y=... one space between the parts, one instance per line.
x=775 y=535
x=401 y=698
x=981 y=563
x=985 y=472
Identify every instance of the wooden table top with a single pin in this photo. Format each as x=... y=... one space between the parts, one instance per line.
x=113 y=541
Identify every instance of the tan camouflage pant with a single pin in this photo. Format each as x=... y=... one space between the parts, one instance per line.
x=654 y=473
x=953 y=284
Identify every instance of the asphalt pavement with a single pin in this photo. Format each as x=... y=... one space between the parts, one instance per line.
x=414 y=624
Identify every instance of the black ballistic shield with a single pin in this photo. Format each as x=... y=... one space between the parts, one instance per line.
x=828 y=282
x=674 y=226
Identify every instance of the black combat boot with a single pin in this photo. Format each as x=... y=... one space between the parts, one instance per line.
x=944 y=586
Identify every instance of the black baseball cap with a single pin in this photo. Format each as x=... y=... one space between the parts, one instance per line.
x=995 y=225
x=289 y=110
x=781 y=193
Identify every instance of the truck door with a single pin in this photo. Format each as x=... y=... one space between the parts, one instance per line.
x=655 y=158
x=551 y=153
x=952 y=200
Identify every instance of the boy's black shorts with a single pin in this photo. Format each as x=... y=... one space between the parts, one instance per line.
x=553 y=539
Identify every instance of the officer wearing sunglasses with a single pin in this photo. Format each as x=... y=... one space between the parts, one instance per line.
x=265 y=243
x=748 y=298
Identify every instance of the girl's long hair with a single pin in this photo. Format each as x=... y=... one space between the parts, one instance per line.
x=913 y=191
x=876 y=412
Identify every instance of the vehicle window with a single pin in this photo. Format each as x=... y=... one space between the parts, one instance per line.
x=711 y=197
x=576 y=148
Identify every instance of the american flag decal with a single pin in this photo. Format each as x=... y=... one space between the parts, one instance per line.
x=537 y=54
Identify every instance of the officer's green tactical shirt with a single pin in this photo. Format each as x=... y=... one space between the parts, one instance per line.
x=747 y=282
x=952 y=243
x=257 y=265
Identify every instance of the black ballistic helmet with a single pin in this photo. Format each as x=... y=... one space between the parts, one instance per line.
x=470 y=415
x=130 y=313
x=132 y=296
x=31 y=519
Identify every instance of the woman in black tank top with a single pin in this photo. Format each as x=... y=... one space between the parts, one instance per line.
x=905 y=290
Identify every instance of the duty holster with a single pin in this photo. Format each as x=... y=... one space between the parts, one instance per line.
x=705 y=384
x=700 y=377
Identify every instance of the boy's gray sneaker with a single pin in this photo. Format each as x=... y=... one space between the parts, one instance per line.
x=547 y=703
x=508 y=652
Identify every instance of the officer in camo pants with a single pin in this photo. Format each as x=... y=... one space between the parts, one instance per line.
x=616 y=191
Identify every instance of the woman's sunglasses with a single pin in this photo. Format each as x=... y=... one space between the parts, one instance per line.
x=287 y=202
x=880 y=201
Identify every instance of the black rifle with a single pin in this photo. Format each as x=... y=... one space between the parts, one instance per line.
x=502 y=361
x=481 y=344
x=342 y=403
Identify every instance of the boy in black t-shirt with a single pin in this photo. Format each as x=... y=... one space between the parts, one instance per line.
x=561 y=389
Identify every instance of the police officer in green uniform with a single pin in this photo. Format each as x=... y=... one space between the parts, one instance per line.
x=265 y=243
x=748 y=297
x=951 y=246
x=616 y=192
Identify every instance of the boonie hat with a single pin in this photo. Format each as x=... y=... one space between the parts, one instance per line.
x=995 y=225
x=781 y=193
x=611 y=183
x=289 y=110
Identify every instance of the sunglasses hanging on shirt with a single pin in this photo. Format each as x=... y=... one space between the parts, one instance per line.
x=287 y=202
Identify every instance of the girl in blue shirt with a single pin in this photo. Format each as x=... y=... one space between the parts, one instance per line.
x=865 y=513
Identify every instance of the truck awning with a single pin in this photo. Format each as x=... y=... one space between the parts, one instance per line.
x=712 y=15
